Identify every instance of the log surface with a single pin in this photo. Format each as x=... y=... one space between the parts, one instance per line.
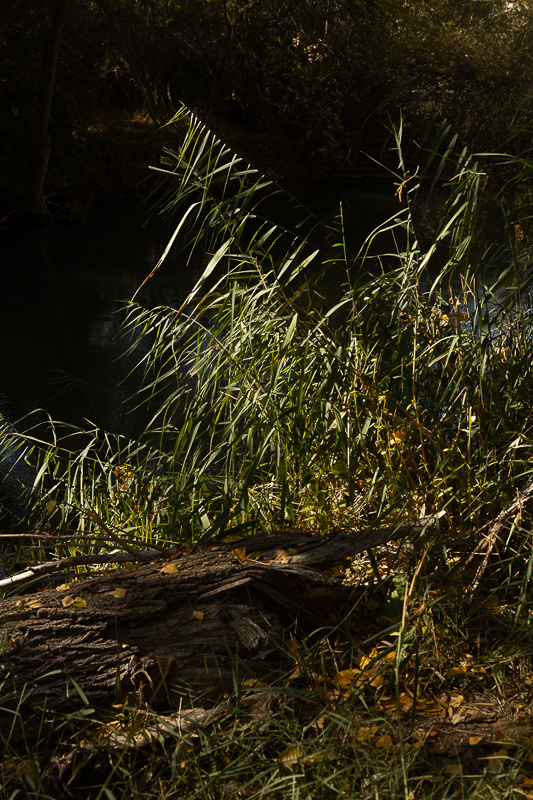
x=182 y=625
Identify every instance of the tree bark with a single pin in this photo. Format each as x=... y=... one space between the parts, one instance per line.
x=179 y=629
x=34 y=203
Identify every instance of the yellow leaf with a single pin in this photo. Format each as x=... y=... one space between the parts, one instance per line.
x=249 y=682
x=170 y=569
x=67 y=601
x=79 y=602
x=456 y=700
x=290 y=755
x=129 y=566
x=345 y=678
x=377 y=681
x=474 y=740
x=63 y=587
x=383 y=741
x=399 y=435
x=366 y=733
x=236 y=537
x=314 y=759
x=118 y=593
x=293 y=643
x=199 y=615
x=283 y=556
x=240 y=553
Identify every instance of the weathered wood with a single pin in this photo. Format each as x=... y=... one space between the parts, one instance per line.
x=221 y=613
x=334 y=547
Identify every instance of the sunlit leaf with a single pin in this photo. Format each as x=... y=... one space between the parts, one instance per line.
x=118 y=593
x=291 y=755
x=170 y=569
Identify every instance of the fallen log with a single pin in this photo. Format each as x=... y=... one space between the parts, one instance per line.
x=174 y=630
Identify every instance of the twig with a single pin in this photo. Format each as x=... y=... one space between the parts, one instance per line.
x=480 y=557
x=112 y=535
x=49 y=567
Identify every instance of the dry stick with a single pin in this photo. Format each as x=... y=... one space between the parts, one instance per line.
x=117 y=539
x=488 y=540
x=332 y=548
x=48 y=567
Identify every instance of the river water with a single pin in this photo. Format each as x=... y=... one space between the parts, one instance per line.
x=62 y=288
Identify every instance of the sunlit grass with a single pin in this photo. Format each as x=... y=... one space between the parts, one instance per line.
x=304 y=386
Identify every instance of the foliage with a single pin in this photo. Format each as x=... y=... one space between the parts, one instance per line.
x=325 y=76
x=303 y=385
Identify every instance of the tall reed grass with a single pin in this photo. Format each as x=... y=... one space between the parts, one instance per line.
x=303 y=385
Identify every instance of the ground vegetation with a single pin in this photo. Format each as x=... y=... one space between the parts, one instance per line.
x=301 y=390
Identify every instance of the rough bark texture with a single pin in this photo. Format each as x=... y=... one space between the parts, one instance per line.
x=183 y=626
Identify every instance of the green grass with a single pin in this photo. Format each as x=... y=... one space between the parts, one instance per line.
x=303 y=385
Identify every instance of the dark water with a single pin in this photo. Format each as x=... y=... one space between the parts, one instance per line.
x=61 y=289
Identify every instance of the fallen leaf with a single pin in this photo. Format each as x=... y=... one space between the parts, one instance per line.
x=236 y=537
x=129 y=566
x=474 y=740
x=170 y=569
x=63 y=587
x=118 y=593
x=345 y=677
x=456 y=700
x=76 y=602
x=293 y=643
x=240 y=553
x=283 y=556
x=366 y=733
x=290 y=755
x=199 y=615
x=383 y=741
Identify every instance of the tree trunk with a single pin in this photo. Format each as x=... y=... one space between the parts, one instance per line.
x=34 y=203
x=169 y=632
